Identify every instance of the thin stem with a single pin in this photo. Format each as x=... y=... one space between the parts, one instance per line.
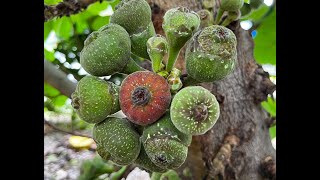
x=65 y=131
x=172 y=57
x=219 y=15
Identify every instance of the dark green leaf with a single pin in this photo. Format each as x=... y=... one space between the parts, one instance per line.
x=257 y=14
x=59 y=100
x=63 y=27
x=99 y=22
x=272 y=131
x=265 y=41
x=270 y=106
x=48 y=55
x=50 y=91
x=47 y=29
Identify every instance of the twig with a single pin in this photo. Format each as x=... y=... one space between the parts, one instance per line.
x=66 y=8
x=65 y=131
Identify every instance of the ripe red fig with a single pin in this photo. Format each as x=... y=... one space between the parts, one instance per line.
x=144 y=97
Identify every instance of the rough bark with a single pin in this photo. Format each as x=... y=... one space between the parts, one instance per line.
x=58 y=79
x=237 y=146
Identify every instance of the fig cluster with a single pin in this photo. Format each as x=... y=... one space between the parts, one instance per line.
x=162 y=111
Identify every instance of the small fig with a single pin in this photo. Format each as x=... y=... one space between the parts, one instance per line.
x=194 y=110
x=157 y=48
x=245 y=10
x=211 y=53
x=106 y=51
x=206 y=18
x=231 y=5
x=165 y=145
x=117 y=138
x=135 y=17
x=94 y=99
x=144 y=97
x=178 y=24
x=144 y=161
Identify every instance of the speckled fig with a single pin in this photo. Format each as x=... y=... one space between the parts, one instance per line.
x=157 y=47
x=144 y=161
x=194 y=110
x=106 y=51
x=117 y=137
x=135 y=17
x=231 y=5
x=211 y=53
x=144 y=97
x=165 y=145
x=94 y=99
x=178 y=24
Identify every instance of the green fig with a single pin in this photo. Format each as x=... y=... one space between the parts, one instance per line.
x=157 y=47
x=232 y=16
x=94 y=99
x=165 y=145
x=178 y=24
x=118 y=139
x=135 y=17
x=194 y=110
x=206 y=18
x=211 y=54
x=231 y=5
x=106 y=51
x=144 y=161
x=170 y=175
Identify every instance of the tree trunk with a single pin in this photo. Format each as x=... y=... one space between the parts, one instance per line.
x=239 y=145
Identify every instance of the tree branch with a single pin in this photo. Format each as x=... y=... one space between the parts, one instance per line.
x=66 y=8
x=65 y=131
x=58 y=79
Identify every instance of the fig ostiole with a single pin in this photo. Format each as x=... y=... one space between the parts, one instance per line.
x=194 y=110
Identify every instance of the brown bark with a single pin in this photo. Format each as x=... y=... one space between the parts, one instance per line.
x=236 y=147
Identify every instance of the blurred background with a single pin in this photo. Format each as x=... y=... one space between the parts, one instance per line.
x=69 y=152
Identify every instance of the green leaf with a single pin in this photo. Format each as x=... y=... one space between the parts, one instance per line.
x=52 y=2
x=49 y=55
x=59 y=100
x=272 y=131
x=99 y=22
x=47 y=29
x=97 y=7
x=50 y=91
x=265 y=41
x=63 y=27
x=270 y=106
x=257 y=14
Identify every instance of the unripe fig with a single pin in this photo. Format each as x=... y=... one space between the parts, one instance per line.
x=144 y=161
x=231 y=5
x=194 y=110
x=118 y=138
x=165 y=145
x=232 y=16
x=94 y=99
x=211 y=53
x=106 y=51
x=206 y=18
x=157 y=48
x=255 y=4
x=178 y=24
x=144 y=97
x=135 y=17
x=170 y=175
